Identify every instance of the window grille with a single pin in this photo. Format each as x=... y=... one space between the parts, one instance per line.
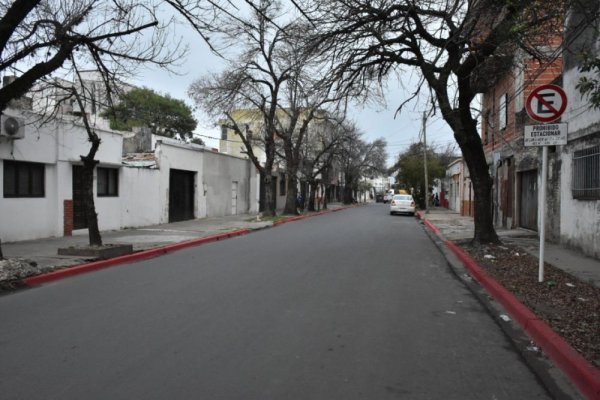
x=586 y=174
x=24 y=179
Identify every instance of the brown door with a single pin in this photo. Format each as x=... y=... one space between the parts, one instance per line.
x=528 y=200
x=79 y=220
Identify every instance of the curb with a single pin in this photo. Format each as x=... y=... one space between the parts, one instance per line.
x=582 y=373
x=150 y=253
x=314 y=214
x=142 y=255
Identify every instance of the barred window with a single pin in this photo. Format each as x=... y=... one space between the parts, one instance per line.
x=586 y=174
x=23 y=179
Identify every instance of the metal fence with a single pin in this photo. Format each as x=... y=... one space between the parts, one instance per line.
x=586 y=174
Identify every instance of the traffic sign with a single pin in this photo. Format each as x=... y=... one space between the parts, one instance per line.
x=545 y=135
x=546 y=103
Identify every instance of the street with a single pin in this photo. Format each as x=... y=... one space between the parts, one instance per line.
x=356 y=304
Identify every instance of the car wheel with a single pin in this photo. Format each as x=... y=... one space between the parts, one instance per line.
x=391 y=213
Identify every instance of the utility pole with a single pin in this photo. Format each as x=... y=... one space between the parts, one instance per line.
x=425 y=161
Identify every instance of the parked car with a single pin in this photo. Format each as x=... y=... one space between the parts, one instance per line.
x=379 y=197
x=402 y=204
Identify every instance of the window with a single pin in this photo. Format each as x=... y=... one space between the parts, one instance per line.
x=24 y=179
x=282 y=185
x=586 y=174
x=223 y=132
x=108 y=182
x=503 y=111
x=485 y=126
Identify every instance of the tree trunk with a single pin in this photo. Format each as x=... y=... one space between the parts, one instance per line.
x=474 y=156
x=347 y=195
x=89 y=164
x=303 y=193
x=269 y=210
x=325 y=196
x=1 y=254
x=291 y=199
x=482 y=188
x=312 y=195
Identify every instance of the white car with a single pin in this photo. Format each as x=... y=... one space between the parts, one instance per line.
x=402 y=204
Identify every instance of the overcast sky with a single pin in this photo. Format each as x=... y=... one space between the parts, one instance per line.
x=374 y=120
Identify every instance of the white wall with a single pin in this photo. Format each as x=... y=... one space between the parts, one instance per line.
x=220 y=171
x=31 y=218
x=57 y=144
x=139 y=194
x=580 y=219
x=176 y=155
x=143 y=197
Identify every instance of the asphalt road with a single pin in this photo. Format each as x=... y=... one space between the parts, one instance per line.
x=351 y=305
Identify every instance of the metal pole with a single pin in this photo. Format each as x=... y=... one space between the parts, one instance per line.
x=425 y=162
x=542 y=206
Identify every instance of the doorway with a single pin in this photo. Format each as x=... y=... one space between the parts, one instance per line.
x=181 y=195
x=528 y=204
x=79 y=219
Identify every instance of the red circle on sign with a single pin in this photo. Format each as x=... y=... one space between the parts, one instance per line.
x=554 y=113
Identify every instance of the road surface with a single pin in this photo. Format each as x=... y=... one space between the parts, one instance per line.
x=350 y=305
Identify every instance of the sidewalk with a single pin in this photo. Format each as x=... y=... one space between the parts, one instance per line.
x=525 y=308
x=456 y=227
x=43 y=252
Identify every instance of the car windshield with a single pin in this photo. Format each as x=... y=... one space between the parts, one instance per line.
x=404 y=197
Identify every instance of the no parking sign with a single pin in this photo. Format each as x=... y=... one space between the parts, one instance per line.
x=546 y=103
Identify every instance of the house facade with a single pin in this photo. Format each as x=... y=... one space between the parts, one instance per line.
x=250 y=122
x=572 y=201
x=516 y=169
x=458 y=192
x=41 y=171
x=579 y=159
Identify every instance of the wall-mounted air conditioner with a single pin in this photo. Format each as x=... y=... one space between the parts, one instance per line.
x=12 y=127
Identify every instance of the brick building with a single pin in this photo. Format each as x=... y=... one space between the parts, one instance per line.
x=515 y=168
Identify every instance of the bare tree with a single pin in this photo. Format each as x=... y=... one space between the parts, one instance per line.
x=319 y=153
x=44 y=41
x=459 y=47
x=308 y=103
x=359 y=159
x=255 y=82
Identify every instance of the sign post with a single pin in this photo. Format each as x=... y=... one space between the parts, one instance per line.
x=545 y=104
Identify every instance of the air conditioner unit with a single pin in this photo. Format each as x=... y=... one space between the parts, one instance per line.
x=12 y=127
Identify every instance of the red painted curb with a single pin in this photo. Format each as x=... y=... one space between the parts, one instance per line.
x=428 y=223
x=290 y=219
x=299 y=217
x=142 y=255
x=582 y=373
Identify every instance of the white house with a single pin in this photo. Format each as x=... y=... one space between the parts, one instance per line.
x=40 y=172
x=580 y=157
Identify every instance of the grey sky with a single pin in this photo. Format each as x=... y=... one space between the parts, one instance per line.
x=374 y=120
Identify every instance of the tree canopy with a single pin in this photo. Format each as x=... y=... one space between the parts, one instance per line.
x=410 y=169
x=164 y=115
x=458 y=47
